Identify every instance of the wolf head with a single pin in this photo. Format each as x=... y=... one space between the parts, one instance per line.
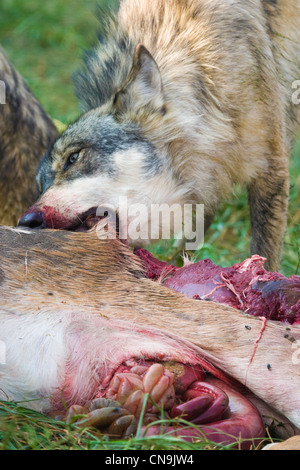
x=109 y=153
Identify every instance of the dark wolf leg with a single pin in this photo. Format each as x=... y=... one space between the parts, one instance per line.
x=25 y=134
x=268 y=199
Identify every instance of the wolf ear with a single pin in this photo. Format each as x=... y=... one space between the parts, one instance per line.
x=143 y=86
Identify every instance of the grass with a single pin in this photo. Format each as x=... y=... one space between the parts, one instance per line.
x=45 y=42
x=24 y=429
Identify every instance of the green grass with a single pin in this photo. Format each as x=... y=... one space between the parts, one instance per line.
x=24 y=429
x=45 y=42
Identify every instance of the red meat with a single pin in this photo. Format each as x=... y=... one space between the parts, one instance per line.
x=246 y=286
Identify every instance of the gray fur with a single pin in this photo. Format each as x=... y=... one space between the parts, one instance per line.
x=101 y=137
x=200 y=92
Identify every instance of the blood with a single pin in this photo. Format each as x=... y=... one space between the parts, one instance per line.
x=246 y=286
x=264 y=321
x=54 y=218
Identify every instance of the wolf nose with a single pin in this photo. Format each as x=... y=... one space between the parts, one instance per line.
x=33 y=219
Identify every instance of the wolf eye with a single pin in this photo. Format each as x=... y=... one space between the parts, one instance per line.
x=73 y=157
x=71 y=160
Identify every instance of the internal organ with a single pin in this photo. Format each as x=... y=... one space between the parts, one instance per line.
x=246 y=286
x=182 y=392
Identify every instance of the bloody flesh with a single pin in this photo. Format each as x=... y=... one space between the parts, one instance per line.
x=246 y=286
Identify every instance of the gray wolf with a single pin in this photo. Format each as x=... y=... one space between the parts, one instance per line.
x=182 y=101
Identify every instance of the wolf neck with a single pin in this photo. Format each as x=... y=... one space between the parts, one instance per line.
x=193 y=140
x=188 y=134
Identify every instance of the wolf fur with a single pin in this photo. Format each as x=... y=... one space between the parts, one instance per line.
x=181 y=101
x=26 y=133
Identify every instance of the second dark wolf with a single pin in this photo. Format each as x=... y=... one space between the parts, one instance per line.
x=182 y=101
x=25 y=134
